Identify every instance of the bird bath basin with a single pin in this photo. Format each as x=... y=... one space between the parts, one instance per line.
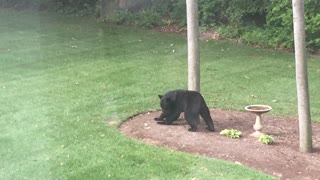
x=258 y=110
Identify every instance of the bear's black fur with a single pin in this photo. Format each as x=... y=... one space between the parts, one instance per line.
x=190 y=102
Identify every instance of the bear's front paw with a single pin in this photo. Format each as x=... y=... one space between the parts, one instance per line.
x=210 y=129
x=158 y=119
x=162 y=123
x=194 y=129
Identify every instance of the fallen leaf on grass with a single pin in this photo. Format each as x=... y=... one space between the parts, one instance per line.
x=112 y=123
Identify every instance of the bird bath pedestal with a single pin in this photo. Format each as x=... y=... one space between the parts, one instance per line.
x=258 y=110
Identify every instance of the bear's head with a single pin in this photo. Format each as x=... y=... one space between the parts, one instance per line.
x=166 y=104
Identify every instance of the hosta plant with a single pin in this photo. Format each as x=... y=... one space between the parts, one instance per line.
x=266 y=139
x=231 y=133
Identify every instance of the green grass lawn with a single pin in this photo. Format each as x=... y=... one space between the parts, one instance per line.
x=62 y=79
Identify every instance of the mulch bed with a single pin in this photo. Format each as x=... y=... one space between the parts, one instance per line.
x=281 y=159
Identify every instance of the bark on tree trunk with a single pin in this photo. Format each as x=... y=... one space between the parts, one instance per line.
x=305 y=129
x=193 y=45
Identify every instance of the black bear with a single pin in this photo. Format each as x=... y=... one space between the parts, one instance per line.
x=190 y=102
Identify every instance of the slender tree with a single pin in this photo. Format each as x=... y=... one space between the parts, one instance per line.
x=193 y=45
x=305 y=129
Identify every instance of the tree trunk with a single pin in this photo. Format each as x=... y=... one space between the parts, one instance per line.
x=193 y=45
x=305 y=129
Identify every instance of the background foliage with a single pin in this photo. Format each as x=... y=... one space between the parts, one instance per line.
x=267 y=23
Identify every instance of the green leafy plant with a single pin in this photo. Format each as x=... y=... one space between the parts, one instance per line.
x=266 y=139
x=147 y=18
x=121 y=17
x=231 y=133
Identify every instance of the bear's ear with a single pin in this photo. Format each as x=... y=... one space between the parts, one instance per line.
x=160 y=96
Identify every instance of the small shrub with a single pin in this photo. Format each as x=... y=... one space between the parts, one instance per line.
x=148 y=18
x=266 y=139
x=121 y=16
x=145 y=18
x=255 y=36
x=231 y=133
x=226 y=31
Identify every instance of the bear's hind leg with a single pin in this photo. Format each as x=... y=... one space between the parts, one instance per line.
x=192 y=119
x=205 y=114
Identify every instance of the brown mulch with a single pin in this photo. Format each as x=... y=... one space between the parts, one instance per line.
x=281 y=159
